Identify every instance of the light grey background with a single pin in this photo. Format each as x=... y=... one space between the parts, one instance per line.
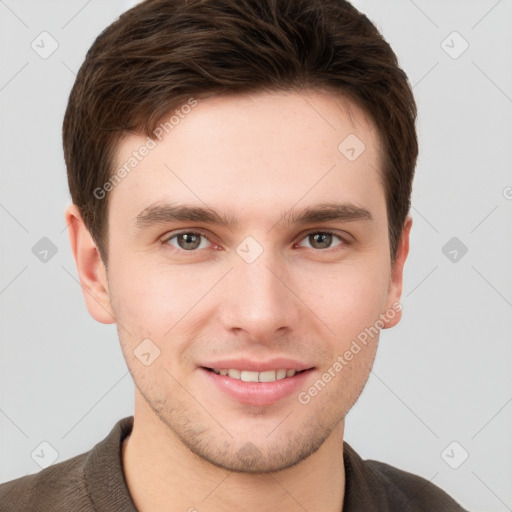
x=442 y=375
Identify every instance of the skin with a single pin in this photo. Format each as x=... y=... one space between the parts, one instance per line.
x=255 y=158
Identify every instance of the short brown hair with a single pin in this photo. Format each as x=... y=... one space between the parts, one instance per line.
x=161 y=53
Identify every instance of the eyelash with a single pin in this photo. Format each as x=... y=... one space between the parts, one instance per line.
x=167 y=238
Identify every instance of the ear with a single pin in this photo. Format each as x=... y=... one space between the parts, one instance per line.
x=395 y=285
x=91 y=270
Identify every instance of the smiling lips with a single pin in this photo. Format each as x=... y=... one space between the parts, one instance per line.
x=257 y=383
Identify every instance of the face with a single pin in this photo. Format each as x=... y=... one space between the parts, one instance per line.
x=270 y=283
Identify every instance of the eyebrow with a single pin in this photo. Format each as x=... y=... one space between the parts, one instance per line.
x=161 y=213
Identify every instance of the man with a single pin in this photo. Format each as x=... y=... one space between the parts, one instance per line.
x=241 y=176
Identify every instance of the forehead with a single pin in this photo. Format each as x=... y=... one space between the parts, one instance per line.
x=256 y=152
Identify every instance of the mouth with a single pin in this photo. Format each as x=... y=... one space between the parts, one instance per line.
x=251 y=387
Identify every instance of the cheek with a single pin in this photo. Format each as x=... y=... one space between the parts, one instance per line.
x=143 y=299
x=150 y=305
x=348 y=298
x=151 y=299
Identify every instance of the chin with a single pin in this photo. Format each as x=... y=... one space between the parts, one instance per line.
x=247 y=457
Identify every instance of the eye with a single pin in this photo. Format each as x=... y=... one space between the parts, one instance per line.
x=186 y=240
x=323 y=239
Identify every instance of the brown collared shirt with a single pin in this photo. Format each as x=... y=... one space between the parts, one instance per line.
x=94 y=482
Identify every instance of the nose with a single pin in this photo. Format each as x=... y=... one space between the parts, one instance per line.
x=259 y=299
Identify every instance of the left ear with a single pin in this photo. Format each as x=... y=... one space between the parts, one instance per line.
x=397 y=274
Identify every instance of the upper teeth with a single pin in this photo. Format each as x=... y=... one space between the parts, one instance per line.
x=248 y=376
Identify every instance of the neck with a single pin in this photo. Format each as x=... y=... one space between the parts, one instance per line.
x=163 y=475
